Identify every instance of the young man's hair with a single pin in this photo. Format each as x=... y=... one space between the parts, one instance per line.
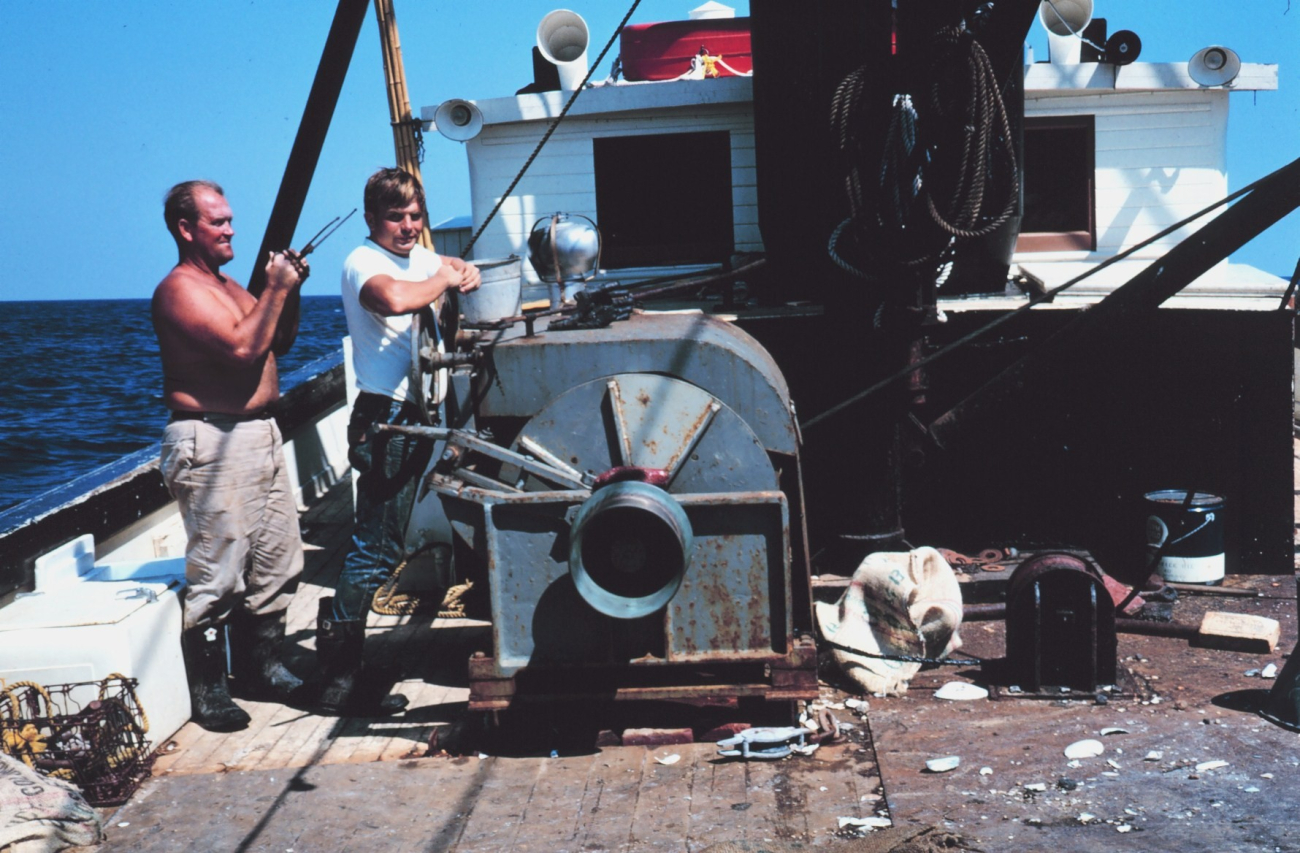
x=389 y=188
x=179 y=204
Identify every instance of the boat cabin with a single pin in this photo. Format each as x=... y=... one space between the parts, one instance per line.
x=1113 y=154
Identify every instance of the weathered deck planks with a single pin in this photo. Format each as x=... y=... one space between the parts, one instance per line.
x=294 y=780
x=617 y=799
x=298 y=782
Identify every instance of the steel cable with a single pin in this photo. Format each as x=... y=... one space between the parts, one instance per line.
x=550 y=130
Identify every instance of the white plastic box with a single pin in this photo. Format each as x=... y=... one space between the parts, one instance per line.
x=85 y=622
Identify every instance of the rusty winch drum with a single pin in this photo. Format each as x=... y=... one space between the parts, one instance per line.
x=630 y=544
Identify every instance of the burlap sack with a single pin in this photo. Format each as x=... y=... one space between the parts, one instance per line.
x=41 y=815
x=896 y=604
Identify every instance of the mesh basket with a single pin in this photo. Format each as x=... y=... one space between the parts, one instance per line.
x=91 y=734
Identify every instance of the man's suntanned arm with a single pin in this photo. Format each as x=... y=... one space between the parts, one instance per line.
x=286 y=331
x=388 y=297
x=215 y=329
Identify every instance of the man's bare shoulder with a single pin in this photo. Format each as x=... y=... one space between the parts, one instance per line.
x=182 y=277
x=184 y=286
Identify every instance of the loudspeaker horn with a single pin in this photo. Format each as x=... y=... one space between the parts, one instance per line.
x=1214 y=66
x=562 y=38
x=1064 y=21
x=1123 y=47
x=458 y=120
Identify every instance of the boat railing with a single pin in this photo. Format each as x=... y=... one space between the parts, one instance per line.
x=125 y=502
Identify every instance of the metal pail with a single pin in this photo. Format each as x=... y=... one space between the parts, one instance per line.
x=498 y=296
x=1192 y=538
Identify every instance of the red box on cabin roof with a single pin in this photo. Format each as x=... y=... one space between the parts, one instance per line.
x=664 y=51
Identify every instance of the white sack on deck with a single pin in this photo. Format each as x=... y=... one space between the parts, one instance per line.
x=41 y=815
x=896 y=604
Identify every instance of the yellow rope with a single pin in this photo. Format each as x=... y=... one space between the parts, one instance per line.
x=26 y=742
x=452 y=605
x=13 y=698
x=389 y=602
x=103 y=690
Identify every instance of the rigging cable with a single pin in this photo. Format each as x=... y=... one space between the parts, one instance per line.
x=550 y=130
x=1034 y=300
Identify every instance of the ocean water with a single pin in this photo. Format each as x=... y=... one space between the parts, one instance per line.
x=83 y=385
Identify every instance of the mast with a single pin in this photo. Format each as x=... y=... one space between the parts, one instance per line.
x=405 y=140
x=316 y=117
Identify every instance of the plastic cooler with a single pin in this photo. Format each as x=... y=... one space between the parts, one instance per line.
x=85 y=622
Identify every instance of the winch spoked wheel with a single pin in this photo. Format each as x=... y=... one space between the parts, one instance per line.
x=425 y=381
x=646 y=423
x=642 y=442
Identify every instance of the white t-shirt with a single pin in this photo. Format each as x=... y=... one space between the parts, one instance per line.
x=381 y=346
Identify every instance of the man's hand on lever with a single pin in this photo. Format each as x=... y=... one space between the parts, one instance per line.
x=286 y=270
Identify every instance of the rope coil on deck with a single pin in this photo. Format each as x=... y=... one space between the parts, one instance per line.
x=388 y=601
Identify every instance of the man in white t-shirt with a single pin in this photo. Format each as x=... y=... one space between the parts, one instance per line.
x=385 y=282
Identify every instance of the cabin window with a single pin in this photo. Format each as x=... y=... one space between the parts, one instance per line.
x=664 y=199
x=1060 y=197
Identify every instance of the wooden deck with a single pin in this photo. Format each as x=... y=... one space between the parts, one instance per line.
x=297 y=781
x=301 y=783
x=432 y=653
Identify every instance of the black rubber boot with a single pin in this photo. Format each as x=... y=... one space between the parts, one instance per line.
x=349 y=689
x=205 y=668
x=257 y=661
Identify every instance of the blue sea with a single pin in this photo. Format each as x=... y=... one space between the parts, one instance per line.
x=83 y=385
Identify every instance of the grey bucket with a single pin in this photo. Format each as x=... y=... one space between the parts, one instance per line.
x=498 y=296
x=1191 y=535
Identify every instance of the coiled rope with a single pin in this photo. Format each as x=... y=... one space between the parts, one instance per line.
x=966 y=198
x=387 y=601
x=984 y=118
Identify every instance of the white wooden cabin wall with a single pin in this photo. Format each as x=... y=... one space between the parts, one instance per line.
x=562 y=179
x=1159 y=157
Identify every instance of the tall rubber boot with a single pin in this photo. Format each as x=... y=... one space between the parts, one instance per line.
x=257 y=658
x=205 y=669
x=350 y=689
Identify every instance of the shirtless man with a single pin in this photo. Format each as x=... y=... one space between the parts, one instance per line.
x=222 y=457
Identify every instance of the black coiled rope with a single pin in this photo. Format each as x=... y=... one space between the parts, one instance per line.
x=982 y=120
x=966 y=196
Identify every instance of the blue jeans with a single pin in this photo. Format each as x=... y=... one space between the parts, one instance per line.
x=389 y=466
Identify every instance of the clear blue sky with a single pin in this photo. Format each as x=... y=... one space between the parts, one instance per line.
x=106 y=104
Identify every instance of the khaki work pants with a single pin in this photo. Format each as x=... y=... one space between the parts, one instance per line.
x=244 y=550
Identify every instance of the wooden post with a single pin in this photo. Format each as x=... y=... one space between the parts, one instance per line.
x=399 y=103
